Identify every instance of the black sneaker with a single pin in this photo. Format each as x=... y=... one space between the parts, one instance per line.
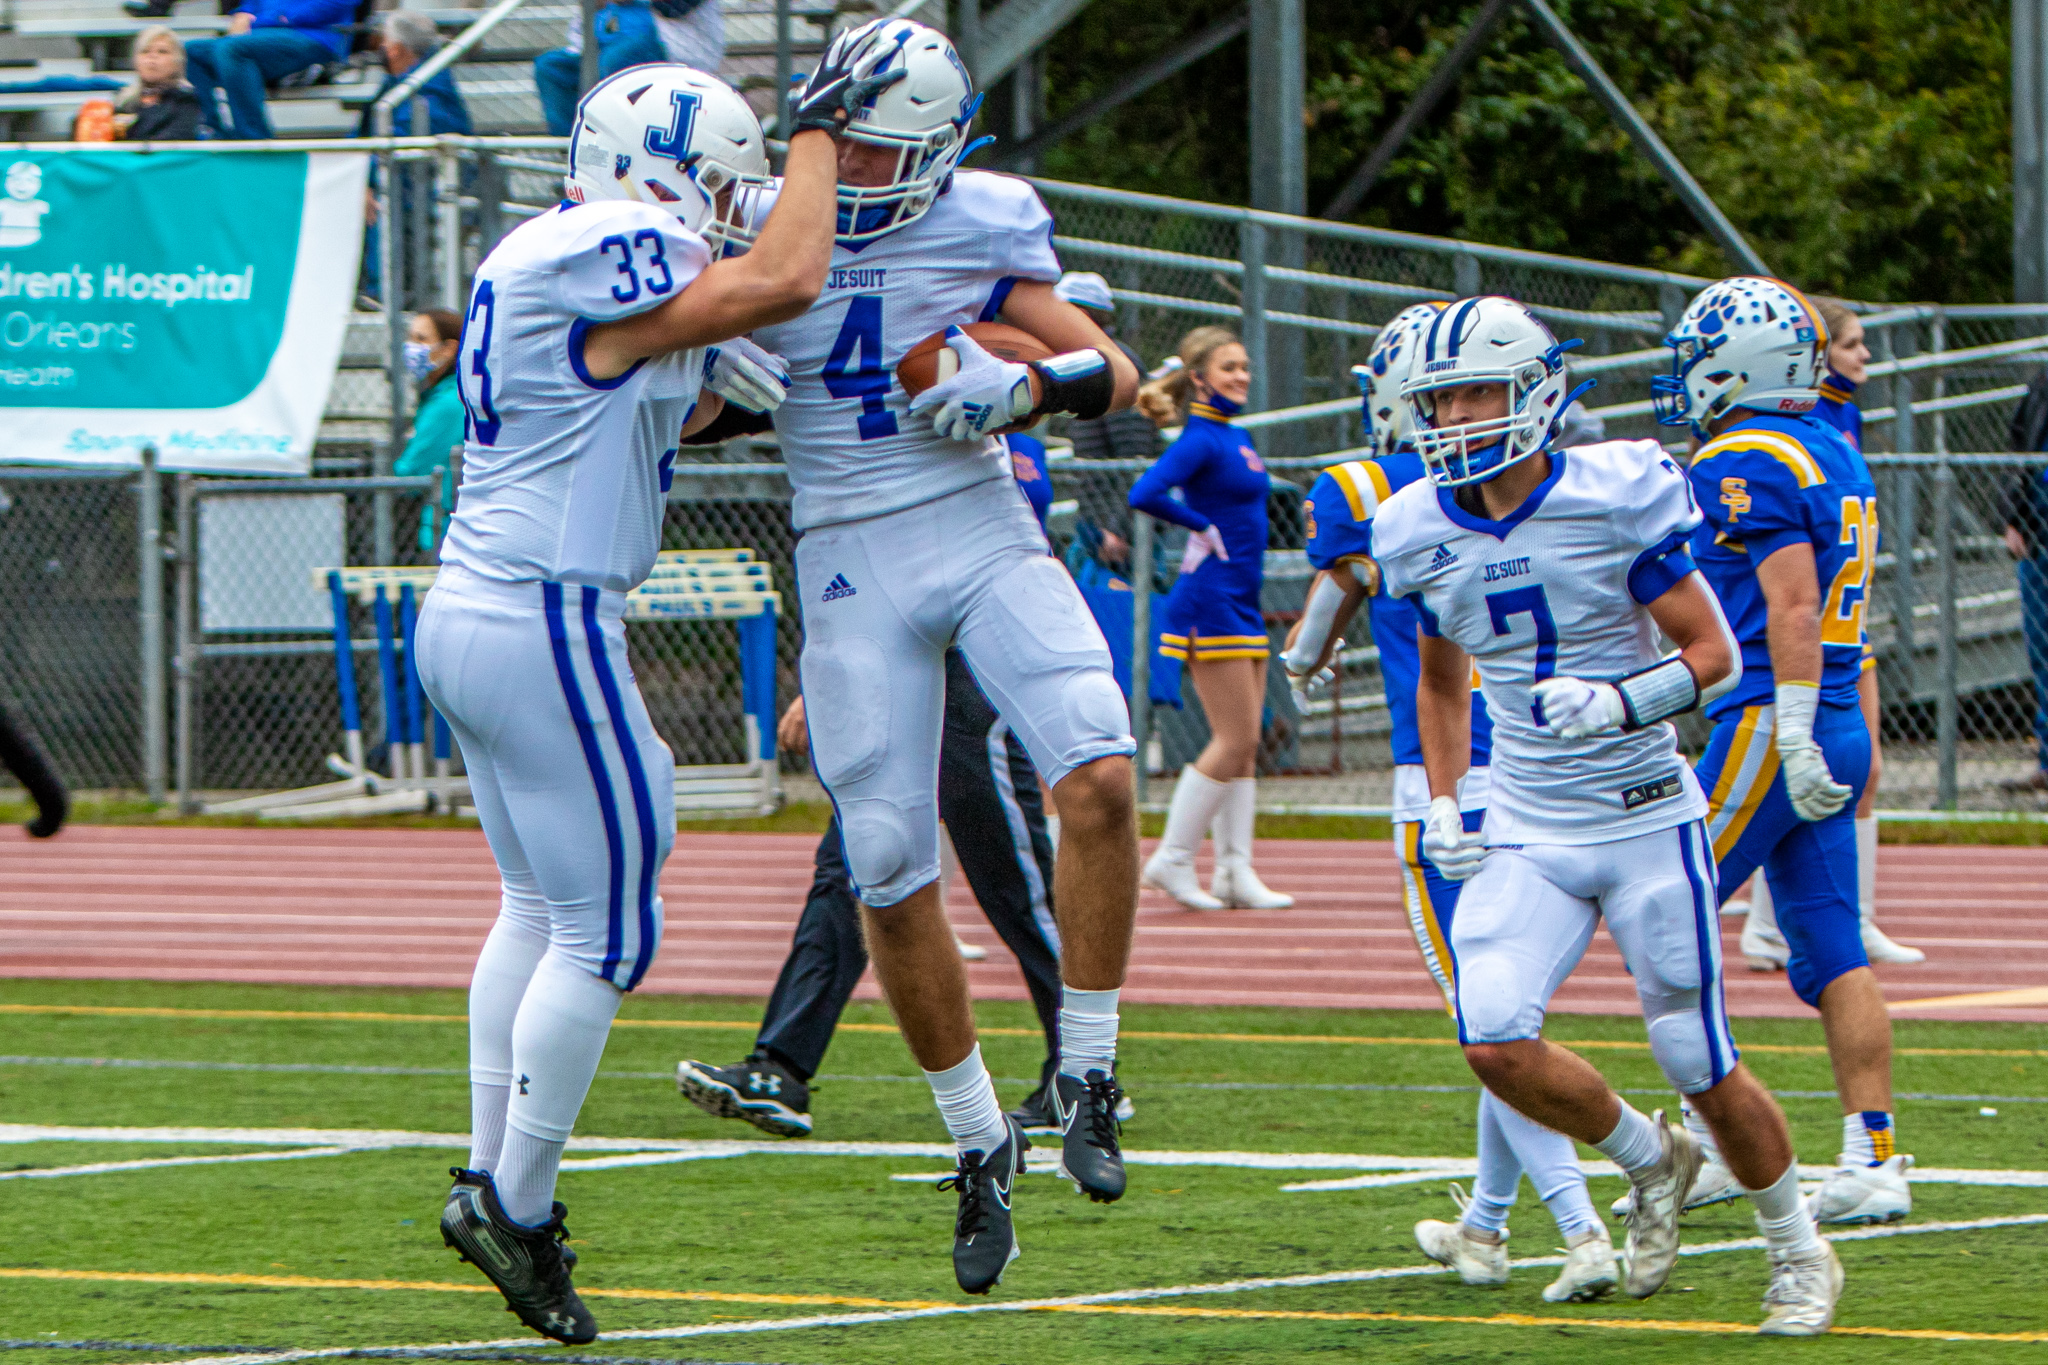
x=984 y=1237
x=530 y=1266
x=1089 y=1155
x=758 y=1090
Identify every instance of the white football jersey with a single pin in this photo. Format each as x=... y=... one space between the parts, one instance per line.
x=563 y=475
x=1558 y=589
x=853 y=449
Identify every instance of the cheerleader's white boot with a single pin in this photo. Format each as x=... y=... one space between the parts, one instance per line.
x=1171 y=868
x=1235 y=884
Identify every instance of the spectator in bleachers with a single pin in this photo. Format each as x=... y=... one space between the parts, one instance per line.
x=267 y=41
x=629 y=33
x=161 y=106
x=1102 y=531
x=431 y=342
x=407 y=39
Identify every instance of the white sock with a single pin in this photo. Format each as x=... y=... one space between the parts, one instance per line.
x=1500 y=1171
x=1869 y=1138
x=1782 y=1217
x=1195 y=799
x=503 y=969
x=557 y=1042
x=1701 y=1134
x=1763 y=912
x=526 y=1187
x=1551 y=1163
x=1087 y=1031
x=1635 y=1144
x=967 y=1100
x=1866 y=867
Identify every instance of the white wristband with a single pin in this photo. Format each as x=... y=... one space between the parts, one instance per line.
x=1317 y=620
x=1798 y=703
x=1663 y=689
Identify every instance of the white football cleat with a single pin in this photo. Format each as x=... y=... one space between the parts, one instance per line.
x=1590 y=1270
x=1715 y=1184
x=1764 y=948
x=1878 y=947
x=970 y=952
x=1452 y=1244
x=1864 y=1194
x=1660 y=1192
x=1802 y=1296
x=1237 y=886
x=1176 y=877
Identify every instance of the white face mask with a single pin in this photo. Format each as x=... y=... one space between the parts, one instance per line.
x=419 y=359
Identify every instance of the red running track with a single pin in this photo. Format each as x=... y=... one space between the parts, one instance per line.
x=411 y=907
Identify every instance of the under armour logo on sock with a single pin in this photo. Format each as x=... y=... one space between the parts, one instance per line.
x=522 y=1084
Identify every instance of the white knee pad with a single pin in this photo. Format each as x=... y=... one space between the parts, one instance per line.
x=890 y=851
x=1496 y=1001
x=847 y=682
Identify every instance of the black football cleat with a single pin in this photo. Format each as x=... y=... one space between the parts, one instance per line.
x=1035 y=1114
x=530 y=1266
x=759 y=1090
x=1089 y=1153
x=984 y=1237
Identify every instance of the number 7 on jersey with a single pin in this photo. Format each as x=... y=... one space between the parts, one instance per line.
x=1503 y=607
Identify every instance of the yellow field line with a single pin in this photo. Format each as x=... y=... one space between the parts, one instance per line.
x=1109 y=1309
x=2030 y=995
x=442 y=1287
x=1327 y=1039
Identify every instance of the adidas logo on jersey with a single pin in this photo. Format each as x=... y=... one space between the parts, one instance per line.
x=1442 y=559
x=838 y=588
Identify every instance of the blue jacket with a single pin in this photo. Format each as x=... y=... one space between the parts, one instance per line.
x=446 y=113
x=324 y=21
x=1224 y=482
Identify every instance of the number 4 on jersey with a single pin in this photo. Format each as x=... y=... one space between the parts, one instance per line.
x=854 y=369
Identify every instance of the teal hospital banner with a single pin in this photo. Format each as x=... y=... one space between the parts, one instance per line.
x=195 y=302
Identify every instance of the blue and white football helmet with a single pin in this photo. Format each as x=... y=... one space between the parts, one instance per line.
x=1487 y=340
x=923 y=118
x=1748 y=342
x=1387 y=419
x=672 y=136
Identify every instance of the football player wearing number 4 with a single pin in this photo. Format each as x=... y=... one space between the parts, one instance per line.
x=1790 y=544
x=1555 y=570
x=597 y=335
x=916 y=538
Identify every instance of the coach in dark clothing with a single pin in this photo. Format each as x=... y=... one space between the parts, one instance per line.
x=2026 y=535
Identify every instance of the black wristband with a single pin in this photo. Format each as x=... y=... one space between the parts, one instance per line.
x=1079 y=382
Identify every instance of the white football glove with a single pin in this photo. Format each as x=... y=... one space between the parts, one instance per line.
x=1299 y=685
x=742 y=373
x=1811 y=788
x=1201 y=544
x=1445 y=842
x=987 y=393
x=1574 y=708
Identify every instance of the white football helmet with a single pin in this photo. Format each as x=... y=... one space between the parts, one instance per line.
x=1488 y=340
x=670 y=135
x=1387 y=421
x=1748 y=342
x=923 y=118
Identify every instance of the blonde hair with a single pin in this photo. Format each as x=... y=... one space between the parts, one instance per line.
x=1165 y=400
x=1837 y=315
x=143 y=40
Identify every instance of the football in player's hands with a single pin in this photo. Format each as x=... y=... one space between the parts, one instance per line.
x=985 y=396
x=1574 y=708
x=932 y=361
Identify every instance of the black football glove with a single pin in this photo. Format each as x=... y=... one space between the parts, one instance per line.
x=848 y=76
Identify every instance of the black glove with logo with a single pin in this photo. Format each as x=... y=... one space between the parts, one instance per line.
x=851 y=73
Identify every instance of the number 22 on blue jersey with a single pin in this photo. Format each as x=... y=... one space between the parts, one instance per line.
x=1503 y=607
x=854 y=369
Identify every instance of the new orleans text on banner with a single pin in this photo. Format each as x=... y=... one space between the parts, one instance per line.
x=191 y=301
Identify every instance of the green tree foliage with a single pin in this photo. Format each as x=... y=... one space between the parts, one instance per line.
x=1863 y=148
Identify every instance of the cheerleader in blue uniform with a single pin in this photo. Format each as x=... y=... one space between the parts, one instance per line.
x=1212 y=623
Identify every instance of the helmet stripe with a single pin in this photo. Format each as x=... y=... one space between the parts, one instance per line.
x=1458 y=325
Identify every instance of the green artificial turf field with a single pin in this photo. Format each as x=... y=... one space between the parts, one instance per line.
x=327 y=1252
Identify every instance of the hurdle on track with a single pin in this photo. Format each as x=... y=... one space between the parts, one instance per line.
x=685 y=585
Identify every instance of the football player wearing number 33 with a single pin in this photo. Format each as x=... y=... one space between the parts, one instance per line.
x=1554 y=570
x=916 y=538
x=598 y=335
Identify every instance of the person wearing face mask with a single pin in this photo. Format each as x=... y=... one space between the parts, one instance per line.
x=1212 y=624
x=431 y=342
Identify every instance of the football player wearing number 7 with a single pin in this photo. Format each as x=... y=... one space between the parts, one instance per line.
x=597 y=335
x=916 y=537
x=1555 y=571
x=1790 y=543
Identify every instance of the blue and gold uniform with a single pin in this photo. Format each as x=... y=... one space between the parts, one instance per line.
x=1768 y=483
x=1340 y=509
x=1837 y=407
x=1213 y=612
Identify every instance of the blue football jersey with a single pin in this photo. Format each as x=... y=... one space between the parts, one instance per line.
x=1773 y=481
x=1339 y=514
